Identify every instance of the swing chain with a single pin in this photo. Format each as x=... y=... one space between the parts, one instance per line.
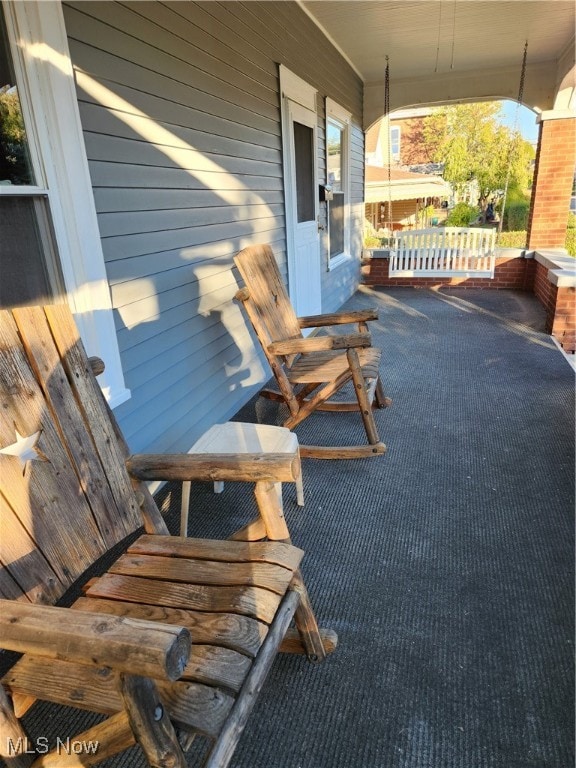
x=510 y=145
x=387 y=116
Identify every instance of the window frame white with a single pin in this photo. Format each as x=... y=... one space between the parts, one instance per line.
x=45 y=78
x=342 y=119
x=395 y=157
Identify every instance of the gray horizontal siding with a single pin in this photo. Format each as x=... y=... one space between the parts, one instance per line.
x=180 y=106
x=105 y=148
x=208 y=135
x=127 y=253
x=136 y=222
x=128 y=175
x=118 y=201
x=228 y=117
x=155 y=49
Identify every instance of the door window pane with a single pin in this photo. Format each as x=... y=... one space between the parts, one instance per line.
x=15 y=165
x=304 y=161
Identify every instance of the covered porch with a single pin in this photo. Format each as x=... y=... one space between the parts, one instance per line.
x=446 y=566
x=461 y=59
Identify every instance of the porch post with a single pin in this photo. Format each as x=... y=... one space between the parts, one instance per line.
x=554 y=173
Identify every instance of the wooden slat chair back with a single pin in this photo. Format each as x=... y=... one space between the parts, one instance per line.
x=68 y=499
x=310 y=371
x=69 y=492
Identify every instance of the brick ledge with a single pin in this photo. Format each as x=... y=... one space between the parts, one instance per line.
x=561 y=267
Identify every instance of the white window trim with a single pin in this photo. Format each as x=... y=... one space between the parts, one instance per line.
x=44 y=70
x=339 y=115
x=296 y=89
x=399 y=154
x=295 y=93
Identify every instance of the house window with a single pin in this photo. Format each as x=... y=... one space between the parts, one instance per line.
x=395 y=143
x=337 y=172
x=50 y=244
x=30 y=268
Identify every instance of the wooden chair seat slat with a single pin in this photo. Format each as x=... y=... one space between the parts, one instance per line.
x=248 y=601
x=204 y=573
x=208 y=664
x=296 y=361
x=63 y=682
x=274 y=552
x=194 y=705
x=327 y=366
x=226 y=630
x=217 y=666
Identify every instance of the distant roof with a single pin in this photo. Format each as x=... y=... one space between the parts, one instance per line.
x=407 y=114
x=404 y=185
x=380 y=173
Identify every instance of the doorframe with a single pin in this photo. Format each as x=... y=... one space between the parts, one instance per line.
x=294 y=88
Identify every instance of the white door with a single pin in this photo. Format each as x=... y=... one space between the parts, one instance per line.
x=301 y=191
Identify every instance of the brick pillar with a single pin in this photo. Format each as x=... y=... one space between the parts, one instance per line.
x=552 y=187
x=564 y=322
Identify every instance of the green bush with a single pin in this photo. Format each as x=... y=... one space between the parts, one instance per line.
x=462 y=215
x=371 y=241
x=516 y=216
x=571 y=241
x=518 y=239
x=512 y=239
x=572 y=221
x=516 y=195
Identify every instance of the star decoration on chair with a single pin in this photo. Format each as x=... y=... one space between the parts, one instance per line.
x=24 y=448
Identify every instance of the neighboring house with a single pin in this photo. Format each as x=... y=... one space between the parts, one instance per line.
x=407 y=190
x=408 y=195
x=163 y=138
x=405 y=146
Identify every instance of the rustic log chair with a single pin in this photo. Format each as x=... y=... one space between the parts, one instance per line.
x=70 y=492
x=310 y=371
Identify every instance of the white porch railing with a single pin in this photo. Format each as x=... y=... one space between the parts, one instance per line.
x=446 y=251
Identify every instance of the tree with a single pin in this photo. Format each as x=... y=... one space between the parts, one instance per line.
x=473 y=145
x=13 y=147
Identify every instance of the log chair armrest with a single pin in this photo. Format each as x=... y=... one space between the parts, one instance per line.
x=212 y=467
x=132 y=646
x=319 y=344
x=338 y=318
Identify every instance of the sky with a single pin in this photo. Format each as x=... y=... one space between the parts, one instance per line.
x=526 y=120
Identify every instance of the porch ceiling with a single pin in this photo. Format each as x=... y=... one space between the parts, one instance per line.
x=452 y=50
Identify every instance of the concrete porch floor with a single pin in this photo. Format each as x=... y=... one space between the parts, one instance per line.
x=446 y=566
